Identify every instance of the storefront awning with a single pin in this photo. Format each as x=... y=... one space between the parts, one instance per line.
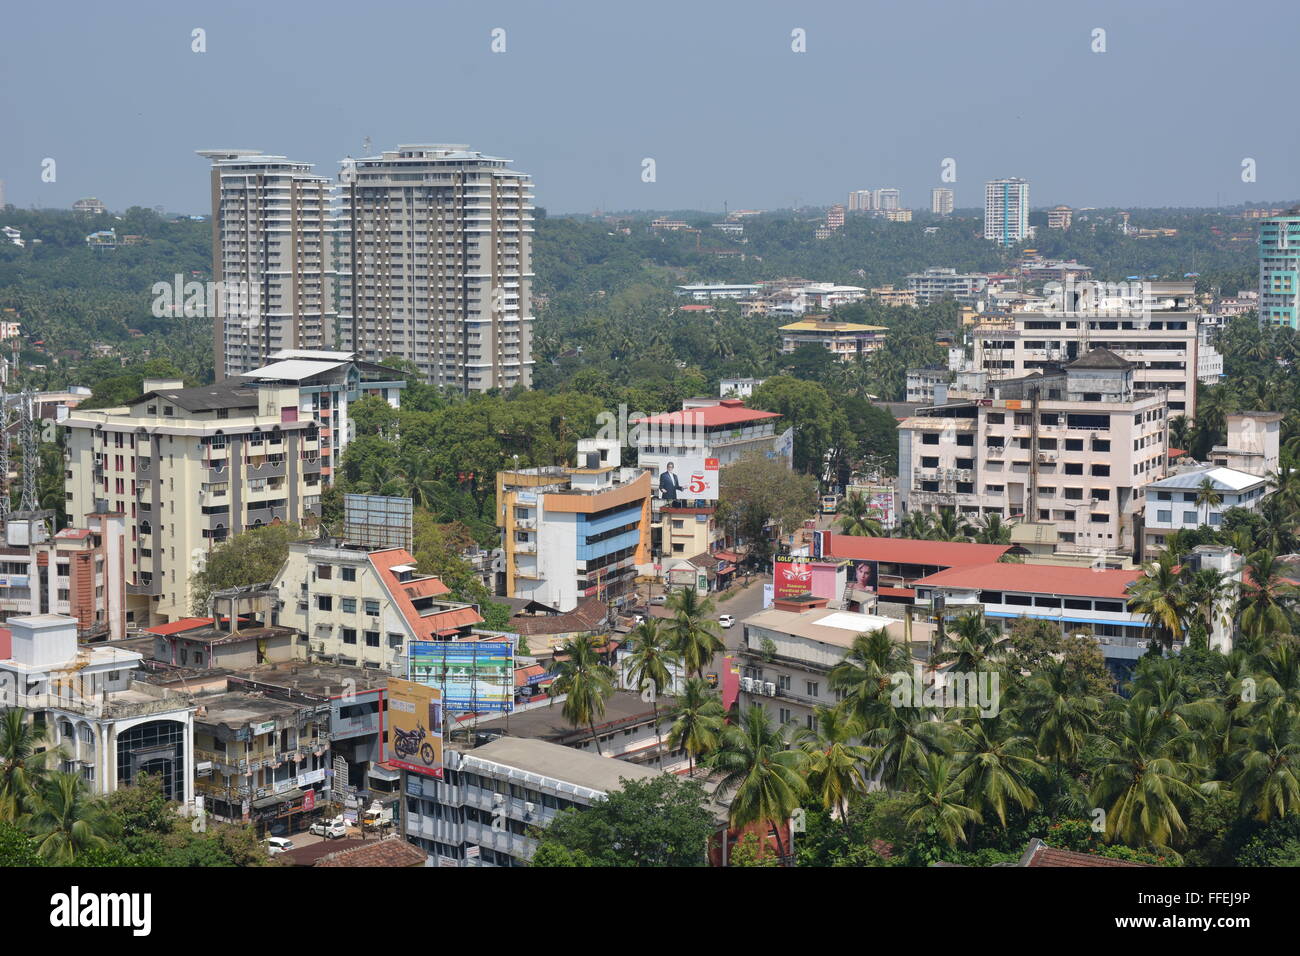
x=264 y=802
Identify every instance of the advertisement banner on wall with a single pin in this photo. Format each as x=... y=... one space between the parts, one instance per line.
x=414 y=727
x=473 y=676
x=863 y=575
x=689 y=476
x=793 y=576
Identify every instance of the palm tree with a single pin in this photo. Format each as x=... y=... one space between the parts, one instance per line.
x=855 y=513
x=692 y=633
x=1269 y=759
x=917 y=524
x=937 y=800
x=949 y=526
x=1157 y=594
x=996 y=763
x=1207 y=497
x=992 y=530
x=834 y=761
x=586 y=683
x=1065 y=715
x=650 y=663
x=763 y=774
x=976 y=646
x=25 y=749
x=864 y=674
x=697 y=720
x=1205 y=591
x=1266 y=596
x=1143 y=779
x=900 y=732
x=66 y=821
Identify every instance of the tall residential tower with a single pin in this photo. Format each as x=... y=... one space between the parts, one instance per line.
x=1006 y=211
x=1279 y=270
x=435 y=264
x=272 y=255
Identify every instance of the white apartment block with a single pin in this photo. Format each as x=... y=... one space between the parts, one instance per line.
x=1074 y=447
x=435 y=264
x=272 y=252
x=888 y=199
x=708 y=291
x=1006 y=211
x=188 y=467
x=1162 y=344
x=109 y=726
x=941 y=201
x=1172 y=505
x=935 y=284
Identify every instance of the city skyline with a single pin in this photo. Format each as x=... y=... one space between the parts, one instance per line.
x=597 y=109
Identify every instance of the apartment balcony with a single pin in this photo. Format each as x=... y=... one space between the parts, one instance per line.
x=311 y=466
x=266 y=515
x=528 y=524
x=143 y=466
x=272 y=468
x=217 y=472
x=526 y=547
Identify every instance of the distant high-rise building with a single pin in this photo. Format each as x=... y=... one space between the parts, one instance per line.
x=835 y=217
x=435 y=264
x=887 y=199
x=91 y=206
x=1006 y=211
x=860 y=201
x=1279 y=270
x=272 y=253
x=1059 y=217
x=941 y=201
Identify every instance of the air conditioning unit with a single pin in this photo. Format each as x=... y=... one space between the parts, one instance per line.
x=747 y=684
x=769 y=690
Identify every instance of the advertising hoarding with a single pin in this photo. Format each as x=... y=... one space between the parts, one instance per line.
x=793 y=576
x=473 y=676
x=414 y=727
x=689 y=477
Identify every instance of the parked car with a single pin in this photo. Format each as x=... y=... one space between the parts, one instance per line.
x=638 y=619
x=277 y=845
x=659 y=600
x=726 y=620
x=330 y=829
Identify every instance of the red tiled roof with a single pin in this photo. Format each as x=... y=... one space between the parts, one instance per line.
x=426 y=627
x=1037 y=579
x=886 y=591
x=393 y=851
x=175 y=627
x=74 y=533
x=585 y=617
x=522 y=674
x=942 y=554
x=1176 y=452
x=1040 y=854
x=710 y=416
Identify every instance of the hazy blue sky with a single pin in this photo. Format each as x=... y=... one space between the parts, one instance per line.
x=710 y=89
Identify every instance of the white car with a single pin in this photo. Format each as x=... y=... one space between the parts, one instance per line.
x=725 y=620
x=277 y=845
x=330 y=829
